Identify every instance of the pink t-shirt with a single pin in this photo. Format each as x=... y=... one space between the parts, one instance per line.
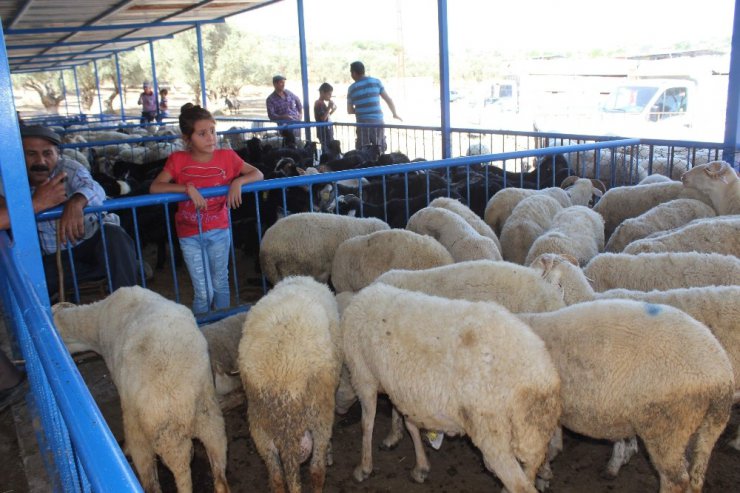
x=221 y=170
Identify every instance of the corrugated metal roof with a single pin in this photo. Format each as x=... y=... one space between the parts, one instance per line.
x=55 y=34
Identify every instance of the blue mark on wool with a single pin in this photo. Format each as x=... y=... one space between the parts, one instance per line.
x=653 y=309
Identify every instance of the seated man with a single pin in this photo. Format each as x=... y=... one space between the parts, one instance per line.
x=55 y=179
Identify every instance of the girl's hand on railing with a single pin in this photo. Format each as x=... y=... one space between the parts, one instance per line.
x=195 y=196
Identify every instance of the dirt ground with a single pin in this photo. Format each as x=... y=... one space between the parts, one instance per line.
x=456 y=467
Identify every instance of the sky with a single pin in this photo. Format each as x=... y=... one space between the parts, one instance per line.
x=516 y=25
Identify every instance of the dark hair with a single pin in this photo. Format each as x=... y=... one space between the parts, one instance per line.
x=189 y=114
x=164 y=90
x=357 y=67
x=325 y=87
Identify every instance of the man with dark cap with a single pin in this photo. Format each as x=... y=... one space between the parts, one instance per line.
x=55 y=179
x=284 y=106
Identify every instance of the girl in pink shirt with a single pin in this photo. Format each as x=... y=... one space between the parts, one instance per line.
x=203 y=224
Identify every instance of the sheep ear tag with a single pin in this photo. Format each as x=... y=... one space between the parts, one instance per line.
x=435 y=438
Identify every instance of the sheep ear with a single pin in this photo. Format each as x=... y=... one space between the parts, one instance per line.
x=715 y=168
x=545 y=262
x=599 y=185
x=570 y=258
x=568 y=181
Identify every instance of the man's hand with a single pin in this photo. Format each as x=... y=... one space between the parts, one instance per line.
x=72 y=222
x=50 y=193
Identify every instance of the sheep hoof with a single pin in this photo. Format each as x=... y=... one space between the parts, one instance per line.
x=388 y=445
x=360 y=475
x=541 y=484
x=419 y=475
x=735 y=443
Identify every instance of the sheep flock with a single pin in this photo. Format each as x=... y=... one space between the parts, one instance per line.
x=535 y=317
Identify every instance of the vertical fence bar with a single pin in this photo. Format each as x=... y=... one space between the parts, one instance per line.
x=201 y=68
x=120 y=86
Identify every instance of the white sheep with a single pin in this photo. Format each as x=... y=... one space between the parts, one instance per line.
x=529 y=219
x=718 y=181
x=666 y=270
x=454 y=233
x=719 y=234
x=622 y=203
x=304 y=243
x=629 y=368
x=456 y=367
x=654 y=178
x=290 y=359
x=223 y=338
x=466 y=213
x=515 y=287
x=583 y=191
x=503 y=202
x=577 y=231
x=359 y=260
x=662 y=217
x=158 y=360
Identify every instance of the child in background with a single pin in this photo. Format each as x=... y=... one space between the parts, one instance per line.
x=164 y=109
x=203 y=224
x=322 y=109
x=148 y=102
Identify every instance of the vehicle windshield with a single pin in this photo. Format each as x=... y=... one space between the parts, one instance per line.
x=629 y=99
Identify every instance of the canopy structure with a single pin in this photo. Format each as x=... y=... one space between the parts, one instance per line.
x=60 y=34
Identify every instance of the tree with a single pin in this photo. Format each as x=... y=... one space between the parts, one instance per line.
x=46 y=84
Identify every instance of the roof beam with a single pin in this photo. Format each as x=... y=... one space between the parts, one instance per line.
x=91 y=42
x=113 y=27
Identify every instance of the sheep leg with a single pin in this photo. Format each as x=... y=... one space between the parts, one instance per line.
x=396 y=433
x=176 y=453
x=622 y=452
x=421 y=469
x=369 y=402
x=210 y=430
x=706 y=436
x=736 y=442
x=667 y=456
x=268 y=451
x=322 y=449
x=292 y=468
x=143 y=456
x=499 y=458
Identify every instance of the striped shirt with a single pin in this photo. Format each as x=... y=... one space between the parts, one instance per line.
x=364 y=95
x=79 y=181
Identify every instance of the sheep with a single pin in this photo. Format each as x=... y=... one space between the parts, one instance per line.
x=529 y=219
x=470 y=217
x=630 y=368
x=158 y=360
x=662 y=217
x=389 y=336
x=714 y=235
x=622 y=203
x=290 y=360
x=577 y=231
x=654 y=178
x=666 y=270
x=304 y=243
x=359 y=260
x=503 y=202
x=223 y=338
x=718 y=181
x=454 y=233
x=583 y=191
x=517 y=288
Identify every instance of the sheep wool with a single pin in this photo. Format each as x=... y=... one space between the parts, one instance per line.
x=156 y=355
x=503 y=202
x=454 y=233
x=658 y=374
x=290 y=360
x=720 y=234
x=470 y=217
x=495 y=377
x=223 y=339
x=719 y=181
x=515 y=287
x=360 y=260
x=665 y=270
x=576 y=231
x=529 y=219
x=662 y=217
x=304 y=244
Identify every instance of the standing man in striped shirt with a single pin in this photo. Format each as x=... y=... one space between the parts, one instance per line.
x=363 y=101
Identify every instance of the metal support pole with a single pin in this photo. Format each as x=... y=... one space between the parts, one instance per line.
x=154 y=77
x=201 y=68
x=732 y=128
x=64 y=91
x=77 y=90
x=444 y=78
x=97 y=85
x=120 y=87
x=304 y=67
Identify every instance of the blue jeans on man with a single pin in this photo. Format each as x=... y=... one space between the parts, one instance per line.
x=210 y=280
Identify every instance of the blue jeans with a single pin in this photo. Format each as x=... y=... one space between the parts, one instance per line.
x=210 y=281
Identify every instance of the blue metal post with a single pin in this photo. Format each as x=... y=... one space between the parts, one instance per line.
x=77 y=90
x=444 y=78
x=304 y=66
x=64 y=92
x=732 y=128
x=15 y=180
x=120 y=87
x=199 y=36
x=154 y=76
x=97 y=85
